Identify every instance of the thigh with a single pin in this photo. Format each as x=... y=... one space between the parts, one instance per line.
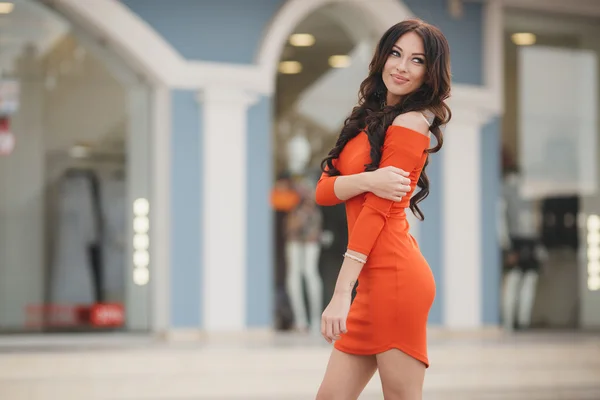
x=401 y=375
x=346 y=376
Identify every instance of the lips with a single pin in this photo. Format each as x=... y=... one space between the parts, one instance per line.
x=399 y=79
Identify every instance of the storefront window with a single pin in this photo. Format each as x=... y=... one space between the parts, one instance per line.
x=74 y=156
x=550 y=181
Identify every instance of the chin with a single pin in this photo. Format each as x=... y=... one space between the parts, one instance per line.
x=400 y=92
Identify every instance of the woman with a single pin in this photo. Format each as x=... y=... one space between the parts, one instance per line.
x=401 y=103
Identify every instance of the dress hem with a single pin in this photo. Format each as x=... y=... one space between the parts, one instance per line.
x=378 y=350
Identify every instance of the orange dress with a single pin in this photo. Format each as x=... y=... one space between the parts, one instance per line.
x=396 y=287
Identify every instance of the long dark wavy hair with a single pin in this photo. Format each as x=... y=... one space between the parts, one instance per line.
x=373 y=117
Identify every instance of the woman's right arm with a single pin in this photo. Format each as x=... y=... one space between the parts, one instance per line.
x=390 y=183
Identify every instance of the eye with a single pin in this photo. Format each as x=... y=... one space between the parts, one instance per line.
x=419 y=60
x=395 y=53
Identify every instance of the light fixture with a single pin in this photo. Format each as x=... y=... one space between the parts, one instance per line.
x=6 y=7
x=302 y=40
x=79 y=151
x=141 y=258
x=340 y=61
x=141 y=225
x=593 y=222
x=141 y=207
x=523 y=38
x=141 y=242
x=290 y=67
x=141 y=277
x=593 y=253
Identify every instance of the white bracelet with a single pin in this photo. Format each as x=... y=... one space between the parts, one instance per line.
x=350 y=256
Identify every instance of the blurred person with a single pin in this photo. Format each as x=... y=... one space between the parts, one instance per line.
x=284 y=198
x=521 y=247
x=401 y=103
x=303 y=233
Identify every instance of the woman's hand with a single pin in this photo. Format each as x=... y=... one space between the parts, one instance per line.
x=389 y=183
x=333 y=320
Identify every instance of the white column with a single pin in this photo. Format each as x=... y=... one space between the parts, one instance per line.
x=160 y=234
x=139 y=145
x=462 y=221
x=224 y=119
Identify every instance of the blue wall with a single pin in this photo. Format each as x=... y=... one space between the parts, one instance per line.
x=231 y=31
x=465 y=36
x=259 y=283
x=186 y=203
x=225 y=31
x=431 y=232
x=490 y=192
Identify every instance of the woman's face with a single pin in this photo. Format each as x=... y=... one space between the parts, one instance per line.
x=405 y=70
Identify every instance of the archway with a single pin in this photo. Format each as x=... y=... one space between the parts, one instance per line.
x=316 y=53
x=147 y=52
x=373 y=16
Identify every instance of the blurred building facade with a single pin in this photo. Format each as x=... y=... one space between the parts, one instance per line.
x=213 y=93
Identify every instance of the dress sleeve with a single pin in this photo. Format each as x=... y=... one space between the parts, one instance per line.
x=402 y=148
x=325 y=193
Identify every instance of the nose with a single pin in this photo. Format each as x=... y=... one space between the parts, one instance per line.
x=401 y=66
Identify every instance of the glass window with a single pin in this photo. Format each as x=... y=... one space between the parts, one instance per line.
x=74 y=157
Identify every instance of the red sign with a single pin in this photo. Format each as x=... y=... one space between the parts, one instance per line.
x=107 y=315
x=7 y=139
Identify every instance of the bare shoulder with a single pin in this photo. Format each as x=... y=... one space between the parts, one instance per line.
x=413 y=120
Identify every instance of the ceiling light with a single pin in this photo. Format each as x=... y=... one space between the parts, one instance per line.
x=6 y=8
x=79 y=151
x=302 y=40
x=340 y=61
x=523 y=39
x=290 y=67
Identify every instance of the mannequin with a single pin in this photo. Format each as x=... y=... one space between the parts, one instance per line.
x=302 y=248
x=284 y=199
x=524 y=253
x=74 y=274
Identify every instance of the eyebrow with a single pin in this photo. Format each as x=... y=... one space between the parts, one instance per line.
x=414 y=54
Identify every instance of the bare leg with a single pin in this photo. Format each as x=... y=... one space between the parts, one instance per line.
x=294 y=283
x=527 y=298
x=314 y=285
x=510 y=295
x=346 y=376
x=401 y=375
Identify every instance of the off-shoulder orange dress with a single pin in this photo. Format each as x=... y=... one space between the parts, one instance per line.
x=396 y=287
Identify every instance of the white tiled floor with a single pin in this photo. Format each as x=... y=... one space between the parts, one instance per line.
x=284 y=367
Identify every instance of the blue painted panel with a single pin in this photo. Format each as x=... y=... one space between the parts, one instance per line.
x=464 y=34
x=490 y=192
x=225 y=30
x=431 y=233
x=259 y=284
x=186 y=203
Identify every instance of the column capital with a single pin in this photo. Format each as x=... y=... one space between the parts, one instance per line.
x=472 y=105
x=227 y=95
